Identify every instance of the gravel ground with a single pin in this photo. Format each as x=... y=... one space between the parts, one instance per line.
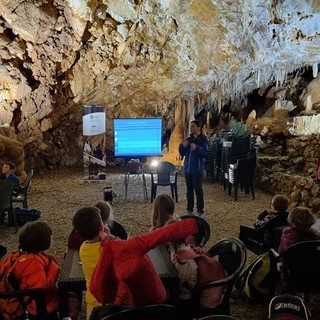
x=58 y=194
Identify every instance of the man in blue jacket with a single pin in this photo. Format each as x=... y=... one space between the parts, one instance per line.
x=195 y=151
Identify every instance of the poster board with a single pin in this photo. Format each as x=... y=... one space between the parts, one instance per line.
x=94 y=142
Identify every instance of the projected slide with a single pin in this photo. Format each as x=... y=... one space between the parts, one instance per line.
x=137 y=137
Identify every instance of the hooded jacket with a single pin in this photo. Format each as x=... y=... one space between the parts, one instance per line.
x=38 y=271
x=125 y=274
x=194 y=160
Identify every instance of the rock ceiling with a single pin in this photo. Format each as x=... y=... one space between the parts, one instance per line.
x=138 y=56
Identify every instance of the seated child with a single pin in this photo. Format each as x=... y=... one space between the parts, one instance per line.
x=34 y=267
x=194 y=266
x=163 y=210
x=124 y=273
x=279 y=206
x=300 y=220
x=75 y=240
x=88 y=224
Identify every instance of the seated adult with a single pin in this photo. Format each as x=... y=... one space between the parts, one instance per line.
x=8 y=170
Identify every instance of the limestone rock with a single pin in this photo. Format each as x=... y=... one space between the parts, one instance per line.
x=139 y=57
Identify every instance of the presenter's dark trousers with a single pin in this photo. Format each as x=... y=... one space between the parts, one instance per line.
x=194 y=185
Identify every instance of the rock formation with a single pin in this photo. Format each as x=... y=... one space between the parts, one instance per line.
x=139 y=57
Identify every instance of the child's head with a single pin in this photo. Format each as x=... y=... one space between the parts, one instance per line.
x=280 y=203
x=106 y=211
x=35 y=237
x=87 y=221
x=8 y=168
x=301 y=218
x=163 y=209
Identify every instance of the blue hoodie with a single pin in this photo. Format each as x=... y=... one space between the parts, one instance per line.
x=194 y=160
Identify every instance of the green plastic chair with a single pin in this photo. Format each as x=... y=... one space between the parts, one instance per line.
x=6 y=192
x=22 y=196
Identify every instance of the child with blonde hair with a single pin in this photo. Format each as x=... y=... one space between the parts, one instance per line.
x=163 y=210
x=300 y=220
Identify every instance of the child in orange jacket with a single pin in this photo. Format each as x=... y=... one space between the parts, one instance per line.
x=37 y=268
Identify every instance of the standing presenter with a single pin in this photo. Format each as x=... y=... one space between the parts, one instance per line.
x=194 y=150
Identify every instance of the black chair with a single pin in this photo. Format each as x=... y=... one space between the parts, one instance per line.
x=242 y=173
x=203 y=235
x=117 y=229
x=149 y=312
x=234 y=147
x=22 y=196
x=166 y=175
x=218 y=317
x=254 y=238
x=300 y=269
x=36 y=295
x=231 y=253
x=3 y=251
x=6 y=191
x=136 y=170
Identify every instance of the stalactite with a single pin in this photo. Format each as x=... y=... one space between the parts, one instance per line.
x=315 y=70
x=218 y=96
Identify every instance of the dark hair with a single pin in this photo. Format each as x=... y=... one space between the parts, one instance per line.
x=280 y=202
x=87 y=222
x=197 y=123
x=11 y=165
x=35 y=237
x=105 y=210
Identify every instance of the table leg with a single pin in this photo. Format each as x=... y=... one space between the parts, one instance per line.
x=63 y=302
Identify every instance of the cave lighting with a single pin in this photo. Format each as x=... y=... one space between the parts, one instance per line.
x=154 y=163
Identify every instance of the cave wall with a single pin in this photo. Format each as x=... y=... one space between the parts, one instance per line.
x=138 y=57
x=288 y=157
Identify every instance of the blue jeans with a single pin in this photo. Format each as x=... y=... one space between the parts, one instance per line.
x=194 y=185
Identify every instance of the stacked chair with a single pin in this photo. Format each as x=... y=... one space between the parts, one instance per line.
x=237 y=147
x=232 y=159
x=242 y=173
x=216 y=160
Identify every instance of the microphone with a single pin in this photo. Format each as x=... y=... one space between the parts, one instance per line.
x=190 y=139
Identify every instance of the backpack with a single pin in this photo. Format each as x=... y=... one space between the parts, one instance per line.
x=25 y=215
x=10 y=308
x=209 y=269
x=256 y=281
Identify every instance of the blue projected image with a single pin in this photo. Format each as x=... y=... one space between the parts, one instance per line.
x=137 y=137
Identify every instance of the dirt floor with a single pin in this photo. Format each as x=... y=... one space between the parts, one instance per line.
x=58 y=194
